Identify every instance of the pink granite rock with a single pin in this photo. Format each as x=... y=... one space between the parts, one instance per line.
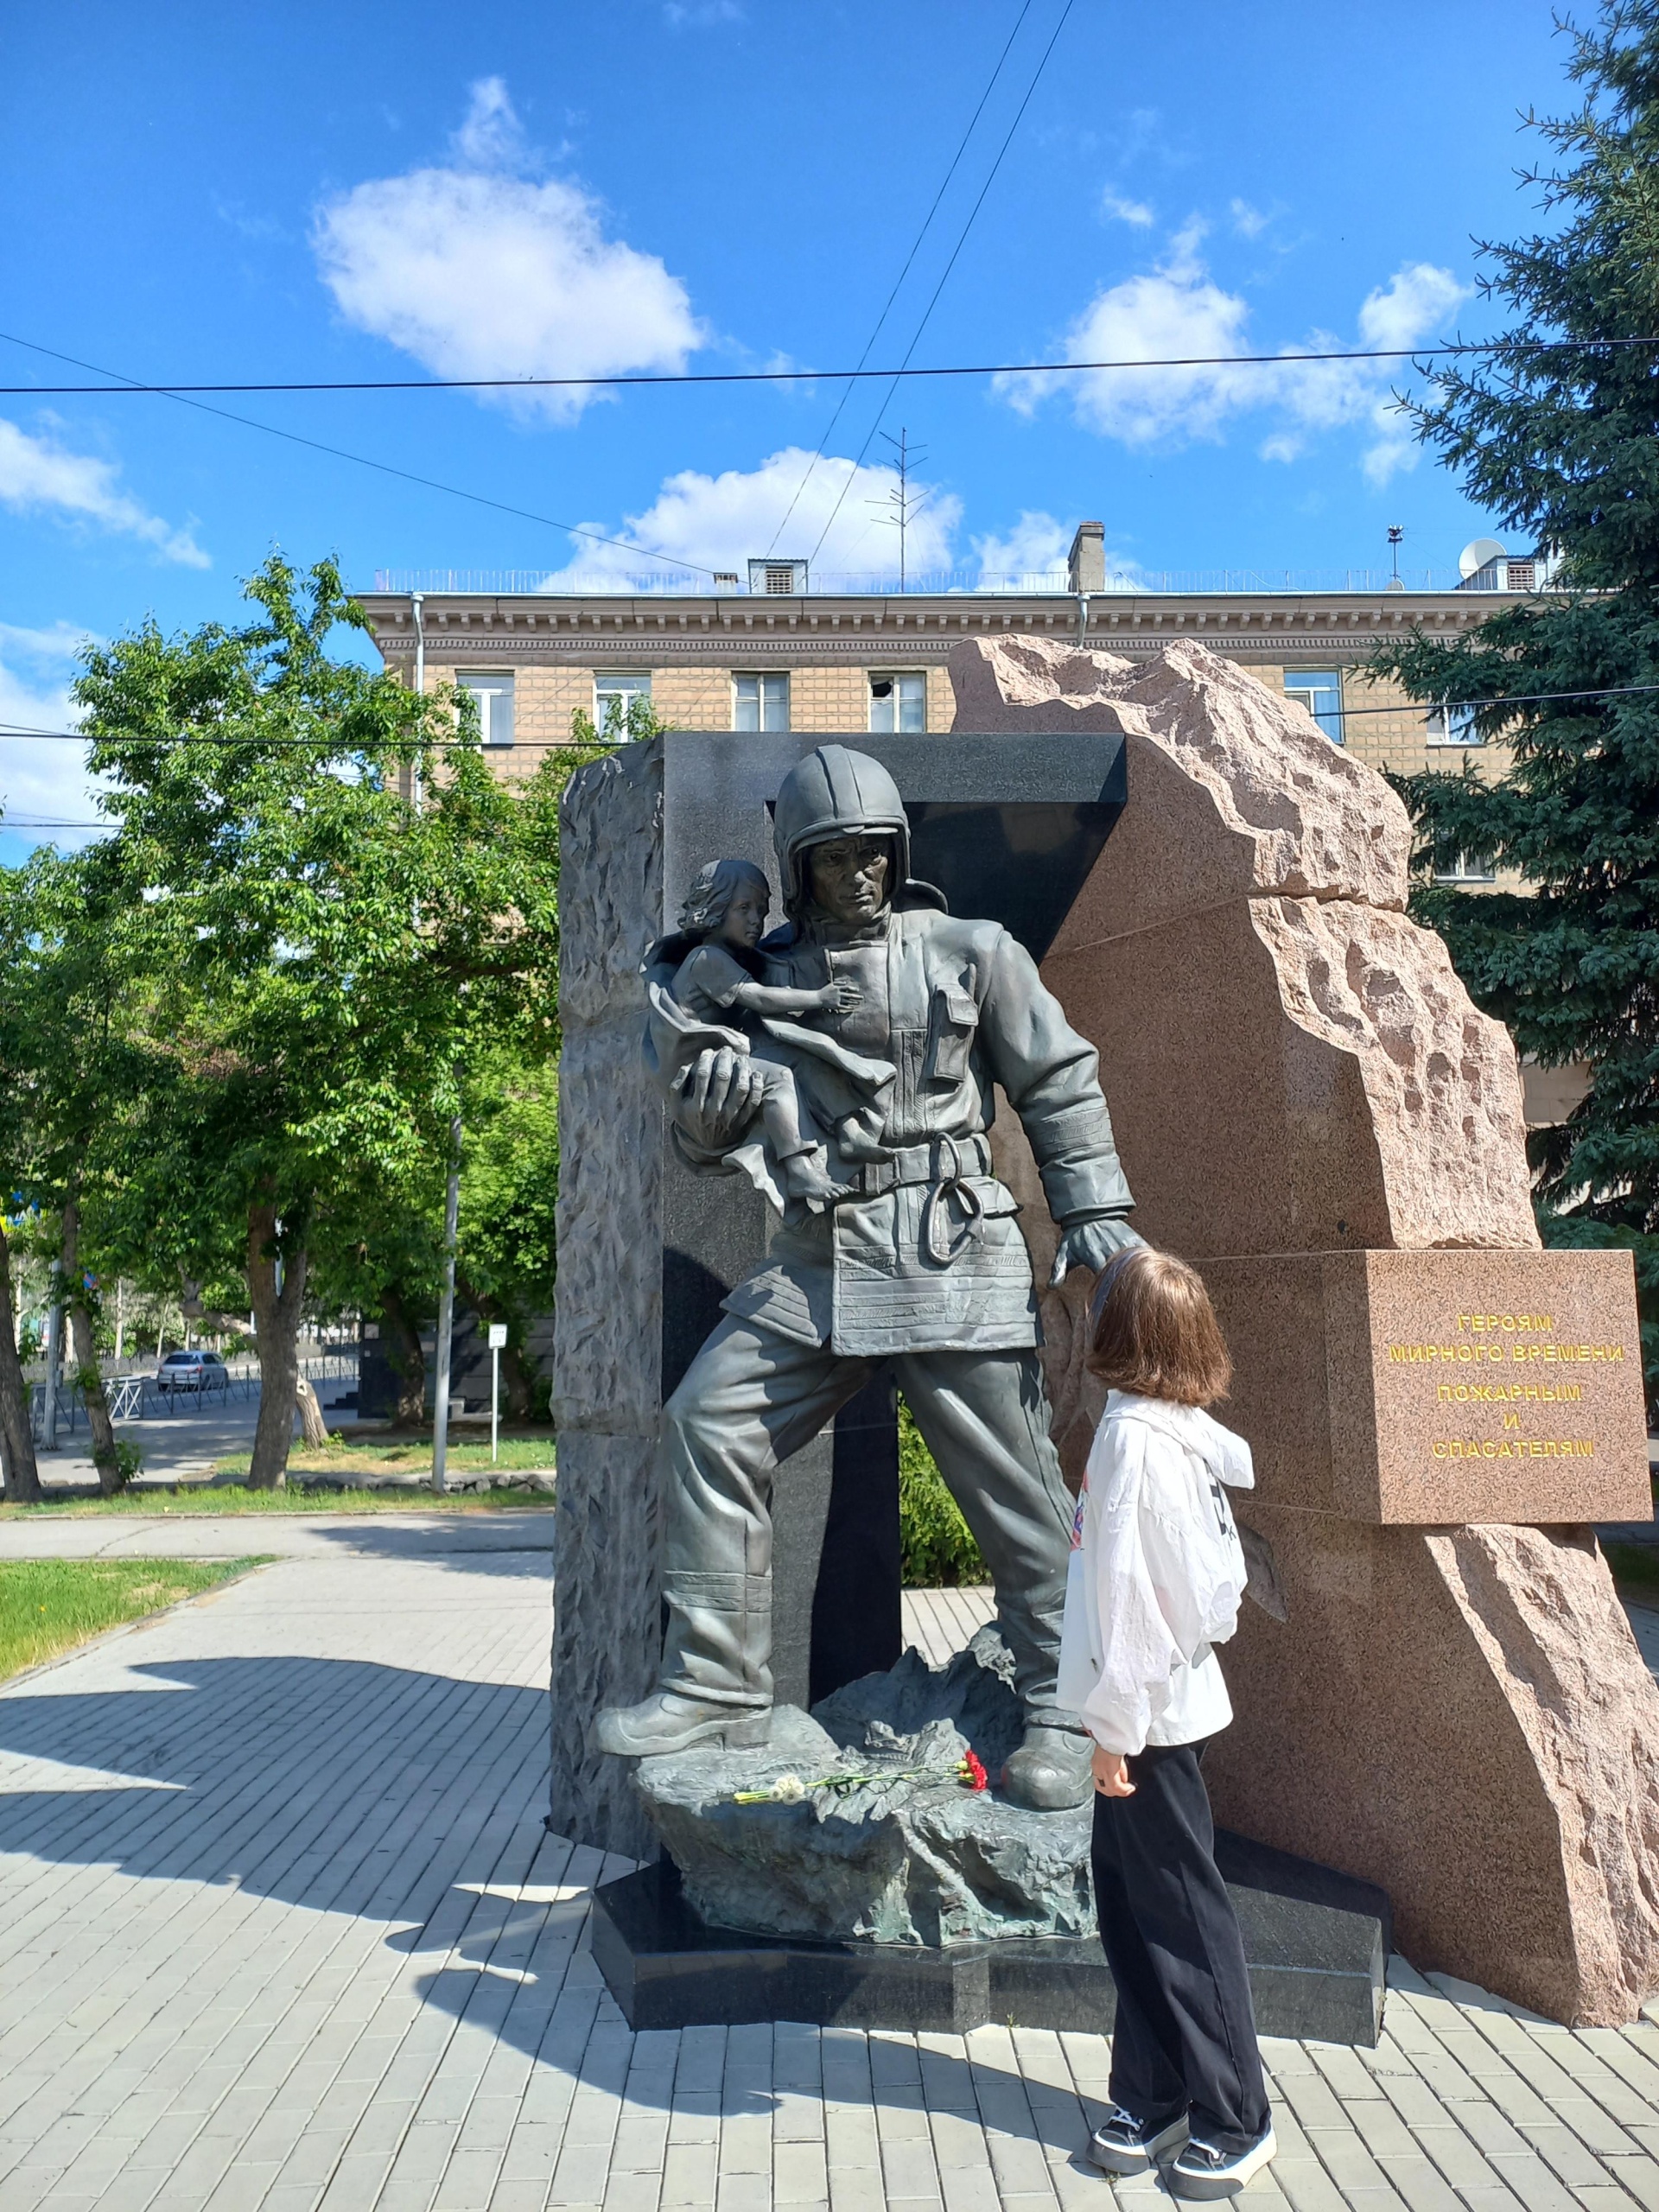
x=1309 y=819
x=1294 y=1068
x=1462 y=1715
x=1544 y=1613
x=1442 y=1087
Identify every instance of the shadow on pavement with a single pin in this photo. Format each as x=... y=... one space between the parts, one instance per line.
x=478 y=1542
x=397 y=1797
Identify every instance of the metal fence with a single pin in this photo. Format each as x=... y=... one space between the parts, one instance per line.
x=139 y=1398
x=659 y=583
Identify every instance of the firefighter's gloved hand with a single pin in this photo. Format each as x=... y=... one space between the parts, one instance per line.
x=1091 y=1244
x=717 y=1094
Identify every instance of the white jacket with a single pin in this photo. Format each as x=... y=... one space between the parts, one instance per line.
x=1155 y=1576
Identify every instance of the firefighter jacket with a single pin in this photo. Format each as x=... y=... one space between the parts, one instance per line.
x=924 y=1252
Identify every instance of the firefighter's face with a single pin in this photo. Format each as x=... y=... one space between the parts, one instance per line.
x=851 y=877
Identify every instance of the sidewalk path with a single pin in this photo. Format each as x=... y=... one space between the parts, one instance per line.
x=281 y=1929
x=398 y=1533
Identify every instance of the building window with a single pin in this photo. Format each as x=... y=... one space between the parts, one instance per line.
x=492 y=691
x=1449 y=724
x=899 y=702
x=613 y=695
x=1466 y=868
x=761 y=703
x=1320 y=691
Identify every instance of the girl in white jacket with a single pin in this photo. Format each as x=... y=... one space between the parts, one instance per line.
x=1155 y=1579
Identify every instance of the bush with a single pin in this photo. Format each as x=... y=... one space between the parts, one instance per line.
x=936 y=1546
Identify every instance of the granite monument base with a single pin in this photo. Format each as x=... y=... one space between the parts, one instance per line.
x=1318 y=1942
x=1442 y=1692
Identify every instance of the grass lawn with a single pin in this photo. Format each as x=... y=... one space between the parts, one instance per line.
x=49 y=1605
x=1636 y=1570
x=400 y=1455
x=346 y=1456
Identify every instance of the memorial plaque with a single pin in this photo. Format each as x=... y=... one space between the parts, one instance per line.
x=1419 y=1388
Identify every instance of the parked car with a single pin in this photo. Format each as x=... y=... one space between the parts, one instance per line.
x=192 y=1370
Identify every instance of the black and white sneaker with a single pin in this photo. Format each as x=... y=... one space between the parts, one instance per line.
x=1202 y=2170
x=1123 y=2144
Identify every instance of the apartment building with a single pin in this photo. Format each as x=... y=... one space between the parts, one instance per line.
x=771 y=651
x=775 y=653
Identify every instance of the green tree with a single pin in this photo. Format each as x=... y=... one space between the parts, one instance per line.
x=506 y=1258
x=1556 y=431
x=936 y=1546
x=66 y=1049
x=68 y=1059
x=318 y=953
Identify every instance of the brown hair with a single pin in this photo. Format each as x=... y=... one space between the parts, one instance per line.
x=1153 y=1330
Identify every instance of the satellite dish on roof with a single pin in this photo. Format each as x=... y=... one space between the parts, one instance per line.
x=1476 y=555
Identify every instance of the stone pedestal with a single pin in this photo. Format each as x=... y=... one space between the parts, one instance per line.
x=1443 y=1695
x=1317 y=1943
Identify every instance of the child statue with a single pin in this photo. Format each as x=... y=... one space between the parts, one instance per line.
x=715 y=996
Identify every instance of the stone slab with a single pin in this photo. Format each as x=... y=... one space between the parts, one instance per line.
x=1300 y=1075
x=1462 y=1714
x=1422 y=1389
x=1318 y=1944
x=1007 y=830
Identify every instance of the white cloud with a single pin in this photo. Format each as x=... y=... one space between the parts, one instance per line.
x=1133 y=212
x=1176 y=311
x=41 y=777
x=490 y=137
x=1411 y=304
x=476 y=271
x=700 y=15
x=1036 y=550
x=719 y=522
x=1249 y=222
x=1037 y=545
x=36 y=474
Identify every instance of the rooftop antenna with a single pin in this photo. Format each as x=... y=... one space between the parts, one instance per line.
x=1396 y=533
x=901 y=501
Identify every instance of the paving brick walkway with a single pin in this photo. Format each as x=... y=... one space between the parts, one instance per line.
x=280 y=1927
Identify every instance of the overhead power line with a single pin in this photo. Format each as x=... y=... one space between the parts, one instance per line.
x=125 y=386
x=916 y=247
x=962 y=239
x=129 y=387
x=45 y=821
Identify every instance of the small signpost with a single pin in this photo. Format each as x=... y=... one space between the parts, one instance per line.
x=497 y=1338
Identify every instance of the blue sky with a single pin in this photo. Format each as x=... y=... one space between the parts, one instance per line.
x=196 y=192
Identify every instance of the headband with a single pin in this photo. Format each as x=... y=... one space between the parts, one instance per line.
x=1105 y=1282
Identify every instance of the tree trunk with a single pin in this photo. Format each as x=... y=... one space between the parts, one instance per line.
x=277 y=1316
x=406 y=1356
x=22 y=1479
x=514 y=1377
x=84 y=1353
x=314 y=1430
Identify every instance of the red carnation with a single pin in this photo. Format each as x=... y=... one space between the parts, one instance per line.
x=971 y=1773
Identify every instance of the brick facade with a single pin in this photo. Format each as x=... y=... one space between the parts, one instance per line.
x=830 y=646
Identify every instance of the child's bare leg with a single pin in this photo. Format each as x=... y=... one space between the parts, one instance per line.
x=800 y=1157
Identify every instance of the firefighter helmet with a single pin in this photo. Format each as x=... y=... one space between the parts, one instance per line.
x=831 y=793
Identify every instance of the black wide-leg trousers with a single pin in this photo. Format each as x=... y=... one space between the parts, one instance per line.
x=1185 y=2035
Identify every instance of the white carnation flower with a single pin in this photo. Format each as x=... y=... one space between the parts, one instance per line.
x=788 y=1789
